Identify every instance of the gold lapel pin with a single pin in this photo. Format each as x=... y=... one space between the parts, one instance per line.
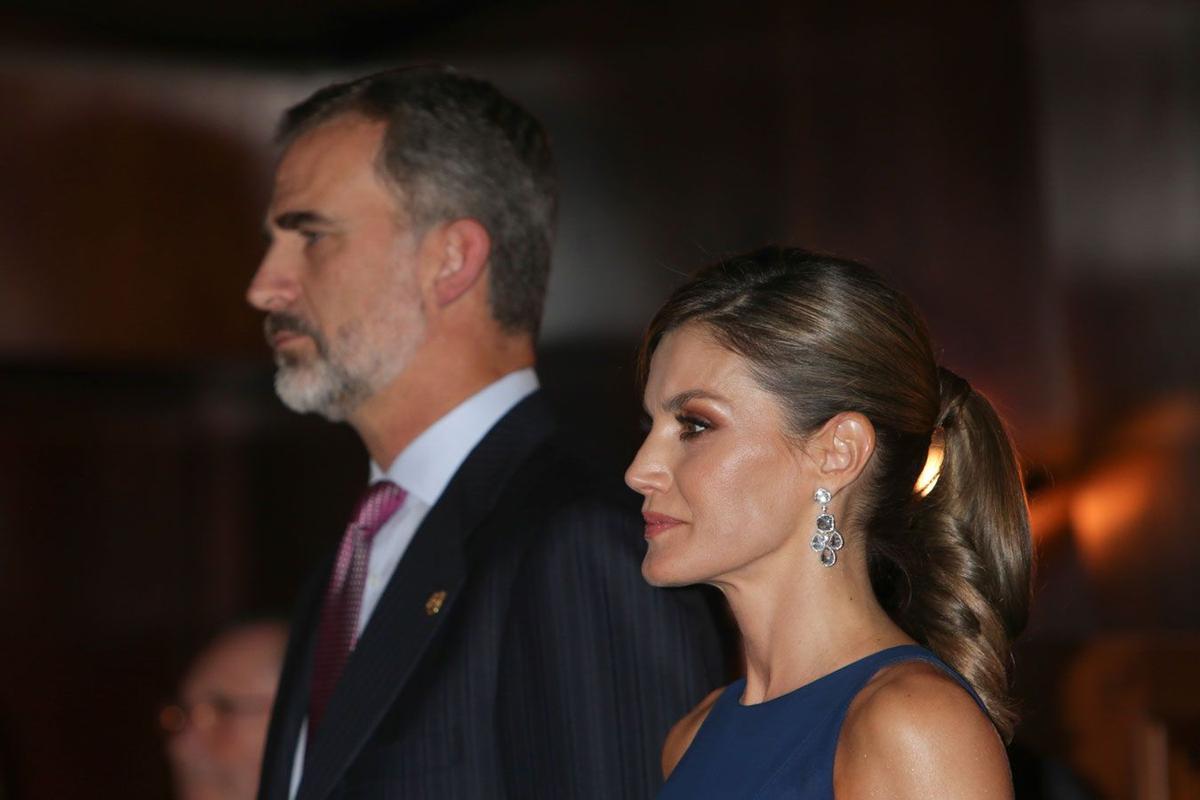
x=434 y=604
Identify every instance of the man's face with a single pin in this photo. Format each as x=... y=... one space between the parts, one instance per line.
x=340 y=281
x=220 y=725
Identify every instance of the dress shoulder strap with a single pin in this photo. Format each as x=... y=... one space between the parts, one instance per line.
x=914 y=652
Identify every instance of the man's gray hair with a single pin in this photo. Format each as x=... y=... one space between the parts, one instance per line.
x=456 y=147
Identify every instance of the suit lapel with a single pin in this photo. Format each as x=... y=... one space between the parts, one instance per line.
x=291 y=699
x=402 y=627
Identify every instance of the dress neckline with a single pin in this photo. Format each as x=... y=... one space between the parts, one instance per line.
x=738 y=687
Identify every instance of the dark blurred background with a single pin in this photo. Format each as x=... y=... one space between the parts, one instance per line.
x=1029 y=172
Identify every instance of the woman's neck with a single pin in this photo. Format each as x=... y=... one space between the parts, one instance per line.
x=799 y=623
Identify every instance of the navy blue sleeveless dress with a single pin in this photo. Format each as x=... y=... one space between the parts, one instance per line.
x=781 y=748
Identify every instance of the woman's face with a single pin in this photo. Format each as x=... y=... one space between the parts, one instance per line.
x=727 y=492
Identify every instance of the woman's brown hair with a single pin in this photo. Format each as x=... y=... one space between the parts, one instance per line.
x=826 y=335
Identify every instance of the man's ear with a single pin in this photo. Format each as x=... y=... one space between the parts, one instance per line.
x=843 y=447
x=463 y=250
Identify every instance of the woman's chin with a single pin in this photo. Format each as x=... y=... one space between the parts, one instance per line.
x=658 y=571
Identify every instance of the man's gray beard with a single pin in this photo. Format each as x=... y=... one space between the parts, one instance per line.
x=349 y=367
x=321 y=387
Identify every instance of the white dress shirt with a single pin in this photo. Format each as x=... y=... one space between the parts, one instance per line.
x=423 y=470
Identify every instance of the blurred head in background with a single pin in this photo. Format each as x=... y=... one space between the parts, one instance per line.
x=217 y=728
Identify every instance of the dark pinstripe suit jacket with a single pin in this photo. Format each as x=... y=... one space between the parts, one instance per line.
x=551 y=670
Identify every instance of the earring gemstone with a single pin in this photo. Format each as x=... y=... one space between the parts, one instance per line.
x=826 y=541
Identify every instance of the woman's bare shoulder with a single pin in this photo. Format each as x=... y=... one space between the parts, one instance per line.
x=912 y=732
x=684 y=731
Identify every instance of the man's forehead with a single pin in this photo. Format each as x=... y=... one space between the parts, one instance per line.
x=342 y=147
x=343 y=130
x=236 y=661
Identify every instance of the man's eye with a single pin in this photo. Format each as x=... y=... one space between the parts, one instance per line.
x=691 y=426
x=311 y=237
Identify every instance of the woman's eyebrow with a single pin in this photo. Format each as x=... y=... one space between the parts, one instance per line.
x=677 y=402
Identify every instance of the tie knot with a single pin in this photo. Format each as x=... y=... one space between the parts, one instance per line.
x=377 y=505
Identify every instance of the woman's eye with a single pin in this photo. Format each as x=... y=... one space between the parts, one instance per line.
x=311 y=237
x=691 y=426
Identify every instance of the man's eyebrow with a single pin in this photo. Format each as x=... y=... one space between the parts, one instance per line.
x=677 y=402
x=293 y=220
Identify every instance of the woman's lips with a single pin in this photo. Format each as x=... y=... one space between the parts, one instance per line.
x=657 y=523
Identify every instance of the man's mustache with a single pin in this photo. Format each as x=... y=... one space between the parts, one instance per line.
x=280 y=322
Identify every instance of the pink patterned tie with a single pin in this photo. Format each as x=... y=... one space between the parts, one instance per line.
x=338 y=627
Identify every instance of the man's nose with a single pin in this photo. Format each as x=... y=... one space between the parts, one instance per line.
x=274 y=286
x=189 y=737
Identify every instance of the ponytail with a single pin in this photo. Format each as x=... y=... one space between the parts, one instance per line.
x=966 y=558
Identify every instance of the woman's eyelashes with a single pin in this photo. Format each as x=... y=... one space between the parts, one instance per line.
x=691 y=426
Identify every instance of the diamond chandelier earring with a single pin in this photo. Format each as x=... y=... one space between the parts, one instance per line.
x=827 y=541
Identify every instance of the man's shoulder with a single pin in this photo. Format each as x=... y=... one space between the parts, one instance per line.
x=560 y=499
x=567 y=481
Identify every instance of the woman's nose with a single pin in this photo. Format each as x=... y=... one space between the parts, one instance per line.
x=648 y=473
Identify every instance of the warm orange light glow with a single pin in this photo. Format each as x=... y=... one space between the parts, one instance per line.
x=932 y=469
x=1050 y=513
x=1111 y=503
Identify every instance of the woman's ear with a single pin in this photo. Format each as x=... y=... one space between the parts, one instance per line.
x=842 y=448
x=463 y=250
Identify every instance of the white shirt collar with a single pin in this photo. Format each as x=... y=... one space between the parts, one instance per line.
x=425 y=467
